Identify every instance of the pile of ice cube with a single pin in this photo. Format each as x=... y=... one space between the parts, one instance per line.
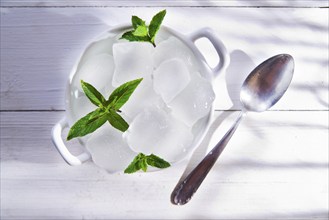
x=161 y=112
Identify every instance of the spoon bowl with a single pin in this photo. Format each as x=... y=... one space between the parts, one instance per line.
x=267 y=83
x=263 y=87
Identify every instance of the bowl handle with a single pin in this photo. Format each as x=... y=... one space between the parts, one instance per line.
x=56 y=134
x=224 y=57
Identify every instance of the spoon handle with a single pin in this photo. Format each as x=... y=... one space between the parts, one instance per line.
x=185 y=189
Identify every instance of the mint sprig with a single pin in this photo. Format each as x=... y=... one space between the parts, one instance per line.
x=141 y=161
x=142 y=32
x=107 y=109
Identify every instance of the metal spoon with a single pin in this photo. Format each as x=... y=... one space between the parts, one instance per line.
x=264 y=86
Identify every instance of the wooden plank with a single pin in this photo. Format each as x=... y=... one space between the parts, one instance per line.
x=165 y=3
x=39 y=46
x=275 y=167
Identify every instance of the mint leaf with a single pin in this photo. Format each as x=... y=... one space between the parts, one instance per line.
x=131 y=37
x=156 y=161
x=143 y=164
x=132 y=168
x=140 y=31
x=135 y=165
x=155 y=24
x=117 y=121
x=139 y=26
x=141 y=161
x=121 y=94
x=136 y=21
x=93 y=95
x=87 y=124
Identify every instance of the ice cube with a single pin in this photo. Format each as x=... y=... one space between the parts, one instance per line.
x=109 y=150
x=162 y=35
x=132 y=60
x=107 y=91
x=98 y=71
x=156 y=131
x=80 y=105
x=102 y=46
x=177 y=143
x=143 y=97
x=194 y=102
x=174 y=48
x=170 y=78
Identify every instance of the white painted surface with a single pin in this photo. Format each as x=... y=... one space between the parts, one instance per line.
x=168 y=3
x=275 y=166
x=40 y=46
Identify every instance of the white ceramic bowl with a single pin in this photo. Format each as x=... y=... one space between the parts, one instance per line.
x=205 y=70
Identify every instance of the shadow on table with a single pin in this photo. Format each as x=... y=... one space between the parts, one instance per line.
x=316 y=90
x=240 y=66
x=234 y=78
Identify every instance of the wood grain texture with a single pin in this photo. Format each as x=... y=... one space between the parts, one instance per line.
x=40 y=46
x=263 y=174
x=167 y=3
x=275 y=166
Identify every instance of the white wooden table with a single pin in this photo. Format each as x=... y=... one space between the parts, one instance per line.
x=275 y=166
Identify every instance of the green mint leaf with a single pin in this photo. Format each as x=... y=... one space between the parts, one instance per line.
x=121 y=94
x=156 y=161
x=131 y=37
x=93 y=95
x=117 y=121
x=87 y=124
x=155 y=24
x=132 y=168
x=141 y=161
x=143 y=164
x=140 y=31
x=135 y=165
x=136 y=21
x=143 y=33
